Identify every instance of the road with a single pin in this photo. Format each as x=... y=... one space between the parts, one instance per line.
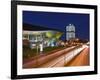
x=80 y=60
x=56 y=59
x=63 y=59
x=46 y=58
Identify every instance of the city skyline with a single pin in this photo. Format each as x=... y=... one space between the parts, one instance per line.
x=59 y=21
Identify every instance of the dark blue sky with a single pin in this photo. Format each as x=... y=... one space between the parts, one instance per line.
x=59 y=21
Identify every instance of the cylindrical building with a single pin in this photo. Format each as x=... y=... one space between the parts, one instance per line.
x=70 y=32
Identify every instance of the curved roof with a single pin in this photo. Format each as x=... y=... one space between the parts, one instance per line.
x=30 y=27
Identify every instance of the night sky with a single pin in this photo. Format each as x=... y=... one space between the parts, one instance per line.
x=59 y=21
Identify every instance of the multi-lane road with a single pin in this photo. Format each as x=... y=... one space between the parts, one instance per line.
x=59 y=58
x=81 y=60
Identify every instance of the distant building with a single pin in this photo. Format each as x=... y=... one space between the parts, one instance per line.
x=70 y=32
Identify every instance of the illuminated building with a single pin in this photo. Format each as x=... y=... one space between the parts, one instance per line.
x=70 y=32
x=38 y=36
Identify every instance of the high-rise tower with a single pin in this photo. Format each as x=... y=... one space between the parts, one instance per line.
x=70 y=32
